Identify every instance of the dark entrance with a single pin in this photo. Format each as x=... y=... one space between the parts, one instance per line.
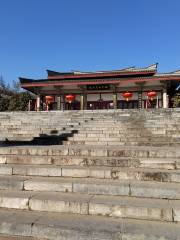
x=127 y=104
x=72 y=106
x=99 y=104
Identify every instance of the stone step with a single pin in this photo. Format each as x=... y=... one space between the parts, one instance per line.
x=115 y=139
x=144 y=189
x=143 y=132
x=37 y=131
x=8 y=237
x=75 y=227
x=123 y=143
x=112 y=206
x=92 y=151
x=130 y=127
x=37 y=128
x=104 y=135
x=12 y=183
x=143 y=135
x=140 y=174
x=104 y=187
x=123 y=139
x=115 y=128
x=2 y=138
x=133 y=162
x=139 y=121
x=31 y=136
x=21 y=138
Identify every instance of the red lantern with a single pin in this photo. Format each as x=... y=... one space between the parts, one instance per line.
x=70 y=98
x=49 y=99
x=151 y=95
x=127 y=95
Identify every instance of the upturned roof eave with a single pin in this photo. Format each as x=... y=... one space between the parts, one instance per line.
x=102 y=81
x=76 y=73
x=102 y=75
x=91 y=78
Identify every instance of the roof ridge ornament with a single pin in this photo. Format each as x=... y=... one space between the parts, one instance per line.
x=152 y=66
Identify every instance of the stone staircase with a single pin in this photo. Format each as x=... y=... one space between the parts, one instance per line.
x=21 y=127
x=117 y=177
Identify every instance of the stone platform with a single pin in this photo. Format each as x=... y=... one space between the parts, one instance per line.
x=116 y=176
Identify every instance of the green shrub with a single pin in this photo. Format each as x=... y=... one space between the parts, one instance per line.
x=176 y=100
x=19 y=101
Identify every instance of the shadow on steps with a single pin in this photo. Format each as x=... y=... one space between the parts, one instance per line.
x=43 y=139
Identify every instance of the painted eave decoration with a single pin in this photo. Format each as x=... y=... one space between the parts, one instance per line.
x=130 y=74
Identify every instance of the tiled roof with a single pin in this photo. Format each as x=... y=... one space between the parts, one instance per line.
x=46 y=82
x=150 y=68
x=128 y=74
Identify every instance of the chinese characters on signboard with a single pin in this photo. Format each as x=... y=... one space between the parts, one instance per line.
x=98 y=87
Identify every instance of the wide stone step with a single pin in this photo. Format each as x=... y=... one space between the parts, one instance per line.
x=141 y=174
x=33 y=130
x=75 y=227
x=141 y=162
x=159 y=144
x=104 y=151
x=105 y=187
x=104 y=135
x=144 y=189
x=86 y=204
x=129 y=128
x=122 y=142
x=109 y=128
x=163 y=163
x=130 y=135
x=119 y=137
x=143 y=132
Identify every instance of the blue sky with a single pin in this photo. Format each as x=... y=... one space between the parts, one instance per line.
x=87 y=35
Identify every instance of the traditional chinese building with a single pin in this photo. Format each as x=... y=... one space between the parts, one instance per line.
x=125 y=88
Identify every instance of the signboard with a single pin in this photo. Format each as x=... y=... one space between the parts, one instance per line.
x=96 y=87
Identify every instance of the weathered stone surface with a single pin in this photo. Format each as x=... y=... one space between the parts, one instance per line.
x=64 y=203
x=136 y=230
x=5 y=170
x=17 y=223
x=29 y=159
x=97 y=187
x=2 y=159
x=100 y=172
x=155 y=190
x=14 y=199
x=126 y=207
x=162 y=163
x=53 y=184
x=31 y=170
x=75 y=227
x=75 y=172
x=11 y=183
x=3 y=237
x=145 y=174
x=122 y=165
